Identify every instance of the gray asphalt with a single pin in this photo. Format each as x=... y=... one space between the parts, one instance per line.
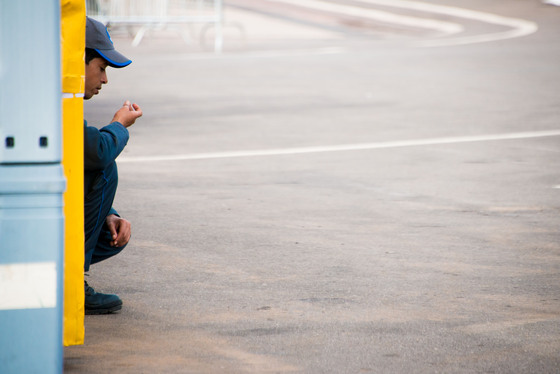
x=426 y=252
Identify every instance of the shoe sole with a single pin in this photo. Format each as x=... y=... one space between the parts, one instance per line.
x=106 y=309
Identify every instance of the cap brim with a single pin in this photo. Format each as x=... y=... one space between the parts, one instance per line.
x=114 y=58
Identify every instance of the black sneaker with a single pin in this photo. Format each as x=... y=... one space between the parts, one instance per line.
x=100 y=303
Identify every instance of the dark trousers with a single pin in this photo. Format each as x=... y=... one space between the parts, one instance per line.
x=100 y=187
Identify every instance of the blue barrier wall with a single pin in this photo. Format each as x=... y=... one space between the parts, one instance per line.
x=31 y=187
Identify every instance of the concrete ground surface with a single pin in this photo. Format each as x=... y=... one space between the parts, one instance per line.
x=333 y=195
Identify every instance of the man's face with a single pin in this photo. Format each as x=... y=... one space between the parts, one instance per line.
x=95 y=77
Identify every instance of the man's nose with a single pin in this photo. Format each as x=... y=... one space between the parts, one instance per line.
x=104 y=79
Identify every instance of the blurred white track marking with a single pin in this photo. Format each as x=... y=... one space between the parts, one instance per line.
x=444 y=27
x=344 y=147
x=519 y=27
x=255 y=54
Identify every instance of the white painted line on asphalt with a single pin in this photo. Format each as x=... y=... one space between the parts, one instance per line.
x=444 y=27
x=448 y=11
x=529 y=28
x=557 y=186
x=251 y=54
x=28 y=286
x=343 y=147
x=288 y=53
x=484 y=38
x=519 y=27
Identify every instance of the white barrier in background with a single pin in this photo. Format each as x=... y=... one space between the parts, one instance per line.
x=150 y=14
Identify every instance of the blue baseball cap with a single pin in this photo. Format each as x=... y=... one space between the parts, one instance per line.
x=98 y=38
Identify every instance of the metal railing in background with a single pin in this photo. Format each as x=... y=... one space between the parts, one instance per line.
x=158 y=14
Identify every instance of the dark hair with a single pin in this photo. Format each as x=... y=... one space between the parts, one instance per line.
x=91 y=54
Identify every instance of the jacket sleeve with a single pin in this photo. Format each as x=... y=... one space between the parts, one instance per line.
x=102 y=146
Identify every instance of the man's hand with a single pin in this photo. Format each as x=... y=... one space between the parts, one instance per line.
x=120 y=230
x=127 y=114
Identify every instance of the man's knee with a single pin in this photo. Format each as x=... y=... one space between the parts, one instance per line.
x=99 y=182
x=100 y=189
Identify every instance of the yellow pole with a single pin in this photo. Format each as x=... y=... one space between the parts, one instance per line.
x=73 y=28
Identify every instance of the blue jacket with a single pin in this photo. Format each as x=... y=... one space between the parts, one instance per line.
x=101 y=149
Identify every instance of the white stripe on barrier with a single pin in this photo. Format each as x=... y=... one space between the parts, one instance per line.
x=70 y=95
x=345 y=147
x=28 y=285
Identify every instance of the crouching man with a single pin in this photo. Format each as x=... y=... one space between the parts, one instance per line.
x=106 y=233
